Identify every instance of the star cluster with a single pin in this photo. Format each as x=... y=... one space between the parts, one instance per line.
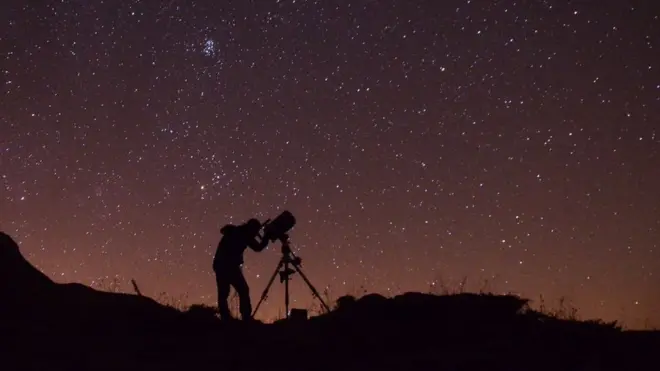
x=419 y=143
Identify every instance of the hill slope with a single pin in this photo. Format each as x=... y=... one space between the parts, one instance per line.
x=45 y=325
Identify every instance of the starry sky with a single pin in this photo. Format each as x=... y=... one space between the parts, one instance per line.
x=418 y=142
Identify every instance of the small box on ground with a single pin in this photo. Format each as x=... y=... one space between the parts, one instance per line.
x=298 y=315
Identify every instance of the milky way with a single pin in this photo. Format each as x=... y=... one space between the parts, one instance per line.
x=512 y=146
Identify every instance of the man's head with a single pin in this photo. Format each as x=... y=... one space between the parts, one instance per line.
x=252 y=226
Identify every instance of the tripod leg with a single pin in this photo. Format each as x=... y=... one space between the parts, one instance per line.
x=311 y=287
x=286 y=289
x=270 y=283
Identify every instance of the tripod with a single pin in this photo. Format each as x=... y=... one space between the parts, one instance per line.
x=288 y=260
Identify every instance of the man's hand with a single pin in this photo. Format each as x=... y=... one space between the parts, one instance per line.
x=268 y=237
x=258 y=245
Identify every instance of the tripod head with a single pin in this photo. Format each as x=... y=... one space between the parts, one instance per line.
x=284 y=239
x=288 y=257
x=286 y=247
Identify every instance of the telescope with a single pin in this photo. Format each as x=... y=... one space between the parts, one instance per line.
x=289 y=263
x=277 y=228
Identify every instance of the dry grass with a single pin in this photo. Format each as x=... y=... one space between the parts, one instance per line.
x=563 y=309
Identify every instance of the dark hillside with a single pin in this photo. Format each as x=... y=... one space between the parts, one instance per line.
x=50 y=326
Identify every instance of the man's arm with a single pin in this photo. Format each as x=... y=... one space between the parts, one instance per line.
x=258 y=246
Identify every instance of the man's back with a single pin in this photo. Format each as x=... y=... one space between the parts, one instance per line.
x=231 y=247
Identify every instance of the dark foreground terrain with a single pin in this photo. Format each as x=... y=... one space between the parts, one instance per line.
x=50 y=326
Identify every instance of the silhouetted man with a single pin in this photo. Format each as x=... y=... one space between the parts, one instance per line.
x=228 y=262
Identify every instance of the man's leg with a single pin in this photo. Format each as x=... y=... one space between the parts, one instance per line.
x=223 y=294
x=243 y=290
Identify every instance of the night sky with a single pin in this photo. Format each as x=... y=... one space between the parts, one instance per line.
x=417 y=142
